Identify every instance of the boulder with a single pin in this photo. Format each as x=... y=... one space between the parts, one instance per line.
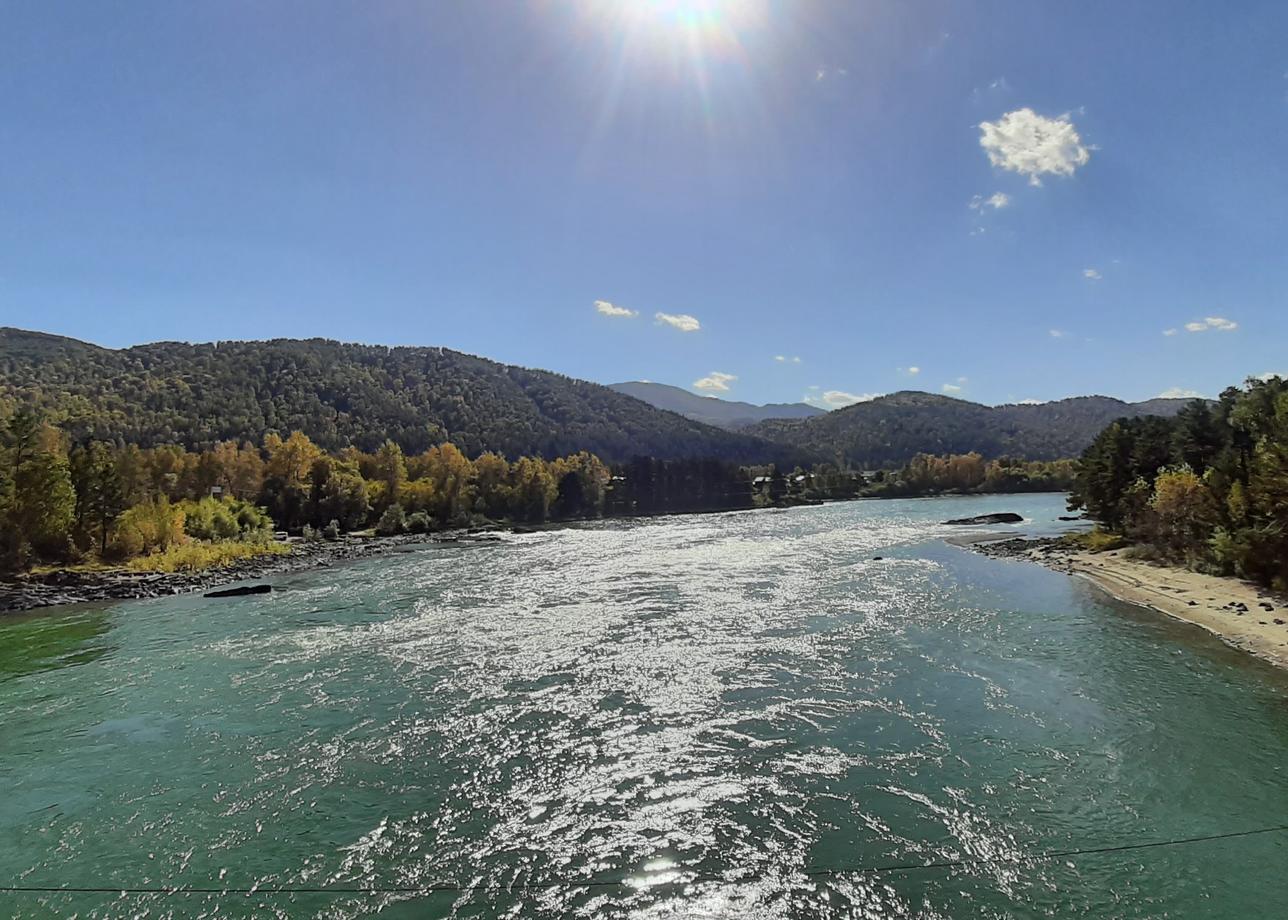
x=240 y=591
x=1003 y=517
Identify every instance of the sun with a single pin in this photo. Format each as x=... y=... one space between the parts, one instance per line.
x=705 y=21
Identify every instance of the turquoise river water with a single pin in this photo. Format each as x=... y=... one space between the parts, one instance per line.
x=741 y=715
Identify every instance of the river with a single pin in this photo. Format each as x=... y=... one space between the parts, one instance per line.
x=739 y=715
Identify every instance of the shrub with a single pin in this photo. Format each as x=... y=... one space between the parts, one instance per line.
x=1097 y=541
x=418 y=522
x=393 y=521
x=194 y=557
x=153 y=525
x=332 y=531
x=308 y=533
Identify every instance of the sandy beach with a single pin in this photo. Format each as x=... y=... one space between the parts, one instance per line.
x=1240 y=613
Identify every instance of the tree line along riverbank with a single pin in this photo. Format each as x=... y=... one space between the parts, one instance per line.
x=121 y=520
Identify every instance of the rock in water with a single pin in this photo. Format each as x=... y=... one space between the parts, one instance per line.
x=241 y=591
x=1003 y=517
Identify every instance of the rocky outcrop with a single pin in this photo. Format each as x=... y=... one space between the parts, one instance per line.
x=1003 y=517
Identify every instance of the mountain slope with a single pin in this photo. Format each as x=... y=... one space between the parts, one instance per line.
x=708 y=410
x=891 y=429
x=341 y=394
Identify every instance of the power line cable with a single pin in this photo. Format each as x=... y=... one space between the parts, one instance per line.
x=439 y=888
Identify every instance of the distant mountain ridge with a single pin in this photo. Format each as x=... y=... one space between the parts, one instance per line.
x=888 y=430
x=344 y=394
x=722 y=413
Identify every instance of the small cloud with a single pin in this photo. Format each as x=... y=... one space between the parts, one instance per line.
x=1169 y=331
x=1091 y=274
x=783 y=359
x=1179 y=393
x=1057 y=333
x=1269 y=375
x=836 y=399
x=1219 y=323
x=951 y=388
x=682 y=321
x=996 y=201
x=715 y=381
x=961 y=380
x=611 y=309
x=1029 y=402
x=912 y=371
x=1033 y=145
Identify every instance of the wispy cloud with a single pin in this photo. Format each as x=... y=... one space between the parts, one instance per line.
x=996 y=201
x=682 y=321
x=836 y=399
x=715 y=381
x=1029 y=402
x=1091 y=274
x=912 y=371
x=1032 y=145
x=1179 y=393
x=829 y=73
x=1057 y=333
x=951 y=388
x=1218 y=323
x=1170 y=331
x=611 y=309
x=783 y=359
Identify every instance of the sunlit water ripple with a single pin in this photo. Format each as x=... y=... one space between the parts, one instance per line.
x=701 y=713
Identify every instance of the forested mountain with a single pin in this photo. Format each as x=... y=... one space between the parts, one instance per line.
x=891 y=429
x=342 y=395
x=723 y=413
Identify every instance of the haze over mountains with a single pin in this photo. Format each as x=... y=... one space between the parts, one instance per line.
x=346 y=394
x=723 y=413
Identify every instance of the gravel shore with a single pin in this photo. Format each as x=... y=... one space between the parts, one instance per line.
x=77 y=587
x=1240 y=613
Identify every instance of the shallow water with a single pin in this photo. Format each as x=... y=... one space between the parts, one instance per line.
x=703 y=715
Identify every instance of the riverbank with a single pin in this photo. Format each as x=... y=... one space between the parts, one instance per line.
x=79 y=586
x=1238 y=612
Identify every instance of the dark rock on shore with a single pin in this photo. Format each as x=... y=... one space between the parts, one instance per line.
x=1002 y=517
x=240 y=591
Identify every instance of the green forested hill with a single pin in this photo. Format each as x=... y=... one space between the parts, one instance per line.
x=342 y=394
x=891 y=429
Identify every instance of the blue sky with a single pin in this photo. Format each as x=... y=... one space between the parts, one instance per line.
x=797 y=178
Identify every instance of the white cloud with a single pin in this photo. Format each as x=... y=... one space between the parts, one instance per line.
x=996 y=201
x=1169 y=331
x=1270 y=375
x=682 y=321
x=1057 y=333
x=836 y=399
x=1091 y=274
x=951 y=388
x=1029 y=402
x=912 y=371
x=715 y=381
x=783 y=359
x=1033 y=145
x=1179 y=393
x=1219 y=323
x=611 y=309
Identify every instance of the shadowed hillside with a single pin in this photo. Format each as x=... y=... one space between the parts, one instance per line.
x=343 y=394
x=890 y=430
